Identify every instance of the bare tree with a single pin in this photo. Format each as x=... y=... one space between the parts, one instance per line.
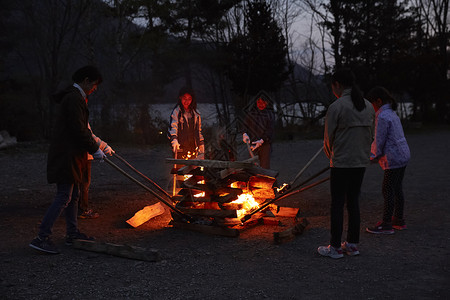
x=435 y=13
x=52 y=29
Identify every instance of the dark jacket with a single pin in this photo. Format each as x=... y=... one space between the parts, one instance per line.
x=259 y=124
x=71 y=140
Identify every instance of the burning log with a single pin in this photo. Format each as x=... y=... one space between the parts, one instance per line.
x=210 y=212
x=221 y=192
x=146 y=214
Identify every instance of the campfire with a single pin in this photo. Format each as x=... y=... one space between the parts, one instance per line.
x=222 y=195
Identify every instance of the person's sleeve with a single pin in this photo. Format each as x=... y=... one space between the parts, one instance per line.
x=82 y=134
x=173 y=125
x=201 y=139
x=102 y=144
x=381 y=133
x=331 y=121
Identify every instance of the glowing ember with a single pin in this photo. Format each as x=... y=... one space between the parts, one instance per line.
x=202 y=194
x=281 y=187
x=198 y=195
x=189 y=155
x=248 y=202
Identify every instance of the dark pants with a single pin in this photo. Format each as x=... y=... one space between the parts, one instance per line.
x=84 y=188
x=345 y=185
x=263 y=153
x=66 y=198
x=393 y=194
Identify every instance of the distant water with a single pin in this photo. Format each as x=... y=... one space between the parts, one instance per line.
x=292 y=112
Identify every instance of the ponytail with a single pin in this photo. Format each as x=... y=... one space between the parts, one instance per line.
x=383 y=94
x=346 y=78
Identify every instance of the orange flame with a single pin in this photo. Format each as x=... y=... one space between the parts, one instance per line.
x=249 y=203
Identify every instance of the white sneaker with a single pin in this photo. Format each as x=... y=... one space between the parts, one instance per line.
x=350 y=248
x=330 y=251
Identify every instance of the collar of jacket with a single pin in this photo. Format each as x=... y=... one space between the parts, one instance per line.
x=81 y=91
x=384 y=107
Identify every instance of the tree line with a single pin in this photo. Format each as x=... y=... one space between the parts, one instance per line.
x=227 y=50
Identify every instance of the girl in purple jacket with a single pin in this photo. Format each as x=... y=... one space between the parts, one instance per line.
x=391 y=151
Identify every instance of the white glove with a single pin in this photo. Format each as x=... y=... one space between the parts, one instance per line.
x=175 y=145
x=257 y=144
x=108 y=150
x=99 y=155
x=245 y=138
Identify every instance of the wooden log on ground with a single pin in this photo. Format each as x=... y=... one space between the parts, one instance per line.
x=272 y=221
x=291 y=232
x=126 y=251
x=146 y=214
x=209 y=229
x=210 y=212
x=281 y=211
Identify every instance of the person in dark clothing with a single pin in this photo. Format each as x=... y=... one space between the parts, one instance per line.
x=68 y=157
x=348 y=134
x=259 y=126
x=185 y=126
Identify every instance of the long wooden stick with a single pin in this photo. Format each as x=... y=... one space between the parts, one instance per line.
x=294 y=191
x=174 y=188
x=189 y=218
x=142 y=175
x=306 y=166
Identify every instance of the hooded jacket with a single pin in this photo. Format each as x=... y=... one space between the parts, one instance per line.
x=71 y=140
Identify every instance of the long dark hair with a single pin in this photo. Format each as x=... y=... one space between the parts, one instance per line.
x=187 y=90
x=383 y=94
x=346 y=78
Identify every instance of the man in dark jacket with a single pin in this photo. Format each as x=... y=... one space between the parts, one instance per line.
x=68 y=157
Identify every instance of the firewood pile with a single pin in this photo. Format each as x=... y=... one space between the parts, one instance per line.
x=219 y=194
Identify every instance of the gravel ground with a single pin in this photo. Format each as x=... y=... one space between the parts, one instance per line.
x=411 y=264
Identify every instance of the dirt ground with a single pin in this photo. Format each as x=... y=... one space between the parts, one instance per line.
x=412 y=264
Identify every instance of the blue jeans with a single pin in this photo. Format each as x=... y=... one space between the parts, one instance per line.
x=66 y=198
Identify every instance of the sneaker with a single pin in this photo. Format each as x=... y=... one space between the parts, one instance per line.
x=381 y=228
x=44 y=245
x=350 y=248
x=78 y=236
x=89 y=214
x=398 y=224
x=330 y=251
